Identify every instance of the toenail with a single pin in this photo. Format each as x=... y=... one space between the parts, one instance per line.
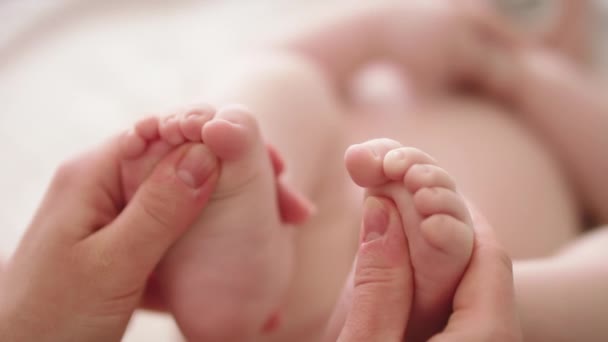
x=195 y=113
x=377 y=151
x=196 y=166
x=375 y=219
x=396 y=155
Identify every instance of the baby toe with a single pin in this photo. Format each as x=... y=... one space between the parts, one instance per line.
x=449 y=235
x=133 y=145
x=192 y=121
x=398 y=161
x=427 y=176
x=431 y=201
x=148 y=127
x=232 y=132
x=364 y=162
x=170 y=131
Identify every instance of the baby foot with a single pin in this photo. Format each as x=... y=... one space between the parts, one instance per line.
x=435 y=218
x=152 y=138
x=225 y=279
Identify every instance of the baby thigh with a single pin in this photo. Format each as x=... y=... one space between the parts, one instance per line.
x=300 y=114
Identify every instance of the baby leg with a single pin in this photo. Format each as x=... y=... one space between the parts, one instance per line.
x=226 y=278
x=298 y=113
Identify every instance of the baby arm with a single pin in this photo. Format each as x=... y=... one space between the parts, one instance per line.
x=435 y=42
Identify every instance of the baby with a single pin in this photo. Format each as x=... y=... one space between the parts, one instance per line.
x=533 y=208
x=240 y=252
x=243 y=273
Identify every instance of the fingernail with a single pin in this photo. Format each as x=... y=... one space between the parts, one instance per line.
x=375 y=219
x=196 y=166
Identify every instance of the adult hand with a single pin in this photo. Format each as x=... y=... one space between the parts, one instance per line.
x=484 y=303
x=84 y=262
x=383 y=284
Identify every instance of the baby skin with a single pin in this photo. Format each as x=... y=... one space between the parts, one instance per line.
x=225 y=279
x=435 y=219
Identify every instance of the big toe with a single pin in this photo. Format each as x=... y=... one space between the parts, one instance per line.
x=364 y=162
x=234 y=137
x=233 y=133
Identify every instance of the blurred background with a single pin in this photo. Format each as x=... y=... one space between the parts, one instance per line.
x=74 y=72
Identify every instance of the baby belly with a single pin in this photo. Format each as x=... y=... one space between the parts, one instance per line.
x=506 y=172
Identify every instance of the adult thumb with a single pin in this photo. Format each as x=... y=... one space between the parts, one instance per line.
x=383 y=281
x=163 y=208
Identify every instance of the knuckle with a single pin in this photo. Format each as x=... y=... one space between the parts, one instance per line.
x=159 y=209
x=373 y=275
x=500 y=255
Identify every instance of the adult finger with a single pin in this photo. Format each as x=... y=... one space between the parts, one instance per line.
x=488 y=284
x=484 y=303
x=162 y=209
x=383 y=283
